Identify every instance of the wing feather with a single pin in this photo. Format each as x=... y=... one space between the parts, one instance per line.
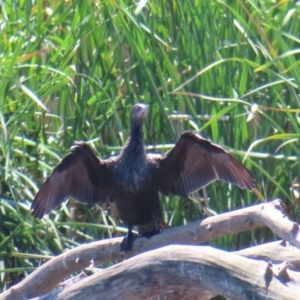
x=194 y=162
x=80 y=175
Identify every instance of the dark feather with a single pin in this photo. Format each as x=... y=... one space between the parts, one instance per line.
x=194 y=162
x=80 y=175
x=130 y=182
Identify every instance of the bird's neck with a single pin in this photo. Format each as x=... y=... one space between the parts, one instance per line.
x=135 y=147
x=136 y=130
x=132 y=168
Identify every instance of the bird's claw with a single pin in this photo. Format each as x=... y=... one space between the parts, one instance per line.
x=126 y=244
x=148 y=235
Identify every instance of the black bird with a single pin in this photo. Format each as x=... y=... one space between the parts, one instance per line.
x=130 y=182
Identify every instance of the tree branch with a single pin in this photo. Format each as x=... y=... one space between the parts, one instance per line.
x=45 y=278
x=196 y=267
x=276 y=252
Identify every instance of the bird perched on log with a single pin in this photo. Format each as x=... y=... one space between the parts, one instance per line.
x=130 y=182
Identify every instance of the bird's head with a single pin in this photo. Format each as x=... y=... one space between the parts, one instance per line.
x=139 y=112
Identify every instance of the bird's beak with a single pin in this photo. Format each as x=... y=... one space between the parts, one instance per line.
x=144 y=111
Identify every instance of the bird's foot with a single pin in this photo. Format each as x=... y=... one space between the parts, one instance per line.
x=130 y=237
x=149 y=234
x=162 y=225
x=126 y=244
x=159 y=227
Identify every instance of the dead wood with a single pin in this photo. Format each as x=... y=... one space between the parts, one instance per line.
x=53 y=271
x=193 y=267
x=276 y=252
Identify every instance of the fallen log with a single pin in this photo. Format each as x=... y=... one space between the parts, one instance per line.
x=60 y=267
x=199 y=268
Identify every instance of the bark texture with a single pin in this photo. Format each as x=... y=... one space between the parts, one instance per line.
x=192 y=272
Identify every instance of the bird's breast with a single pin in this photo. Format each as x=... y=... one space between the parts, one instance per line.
x=133 y=177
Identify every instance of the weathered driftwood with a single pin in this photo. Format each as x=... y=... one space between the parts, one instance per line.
x=276 y=252
x=196 y=267
x=53 y=271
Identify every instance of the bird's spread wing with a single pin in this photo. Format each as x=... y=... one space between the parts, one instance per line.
x=80 y=175
x=194 y=162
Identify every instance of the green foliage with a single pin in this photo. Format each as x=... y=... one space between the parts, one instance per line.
x=71 y=70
